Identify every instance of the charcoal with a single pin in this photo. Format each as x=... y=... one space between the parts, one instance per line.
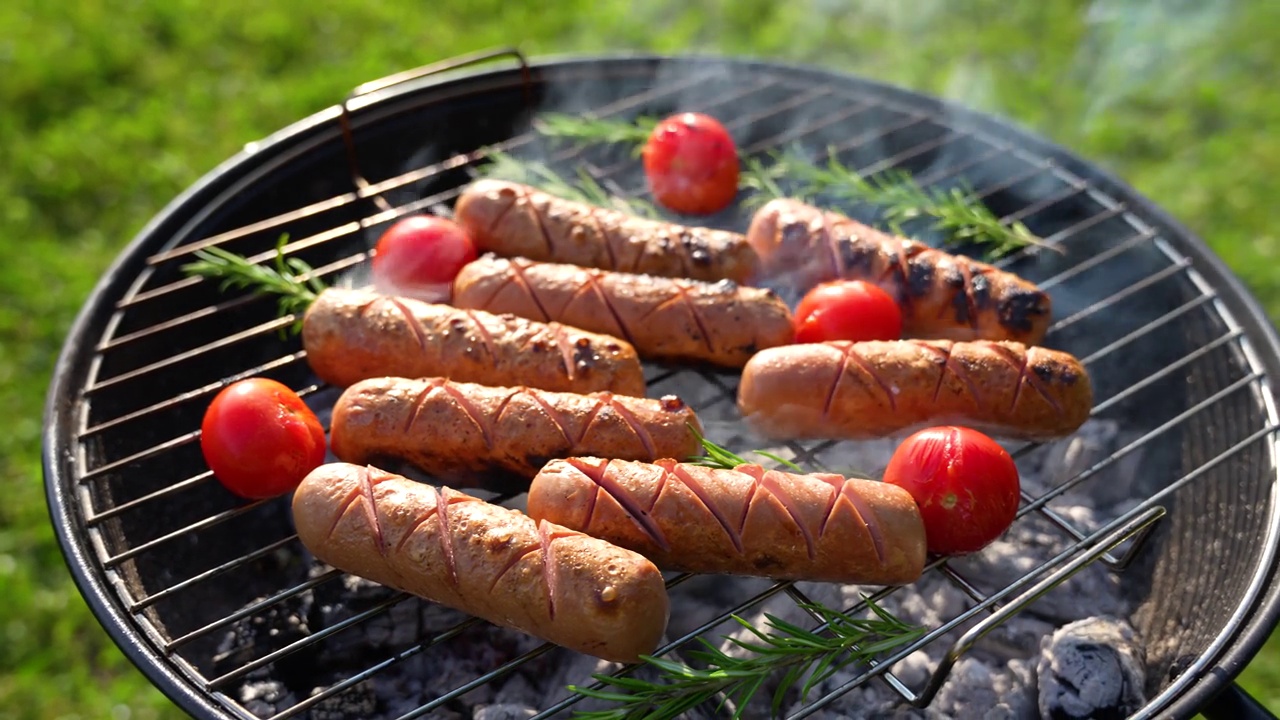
x=354 y=702
x=976 y=689
x=277 y=626
x=1092 y=668
x=265 y=698
x=503 y=711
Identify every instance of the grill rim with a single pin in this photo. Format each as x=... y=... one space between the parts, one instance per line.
x=63 y=399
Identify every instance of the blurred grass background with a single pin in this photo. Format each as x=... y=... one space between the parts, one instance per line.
x=108 y=109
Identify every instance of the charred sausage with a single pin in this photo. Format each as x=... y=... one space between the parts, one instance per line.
x=942 y=296
x=870 y=389
x=351 y=335
x=462 y=431
x=489 y=561
x=746 y=521
x=517 y=220
x=663 y=318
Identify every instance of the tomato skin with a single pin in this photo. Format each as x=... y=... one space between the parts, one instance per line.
x=847 y=310
x=259 y=438
x=691 y=164
x=419 y=256
x=965 y=484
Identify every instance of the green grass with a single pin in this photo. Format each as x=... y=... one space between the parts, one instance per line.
x=109 y=109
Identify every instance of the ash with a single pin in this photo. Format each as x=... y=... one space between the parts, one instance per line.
x=1012 y=672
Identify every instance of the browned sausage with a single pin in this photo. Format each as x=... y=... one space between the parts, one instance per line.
x=746 y=521
x=664 y=318
x=870 y=389
x=942 y=296
x=462 y=431
x=489 y=561
x=352 y=335
x=517 y=220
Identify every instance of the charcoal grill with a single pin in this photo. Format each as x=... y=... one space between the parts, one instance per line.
x=173 y=566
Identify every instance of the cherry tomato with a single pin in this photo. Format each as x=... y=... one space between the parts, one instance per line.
x=965 y=484
x=259 y=438
x=691 y=164
x=419 y=256
x=847 y=310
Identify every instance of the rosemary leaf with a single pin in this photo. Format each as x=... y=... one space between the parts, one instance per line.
x=572 y=127
x=290 y=278
x=504 y=166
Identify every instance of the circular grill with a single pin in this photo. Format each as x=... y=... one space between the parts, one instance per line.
x=183 y=576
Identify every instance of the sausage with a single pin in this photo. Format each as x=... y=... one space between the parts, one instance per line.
x=875 y=389
x=517 y=220
x=942 y=296
x=669 y=319
x=352 y=335
x=746 y=521
x=462 y=431
x=483 y=559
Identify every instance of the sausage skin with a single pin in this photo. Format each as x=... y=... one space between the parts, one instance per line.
x=876 y=389
x=463 y=431
x=352 y=335
x=942 y=296
x=746 y=521
x=483 y=559
x=511 y=219
x=663 y=318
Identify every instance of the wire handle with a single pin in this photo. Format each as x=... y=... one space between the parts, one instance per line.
x=475 y=58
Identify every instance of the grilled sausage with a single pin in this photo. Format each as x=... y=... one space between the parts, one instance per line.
x=746 y=521
x=517 y=220
x=352 y=335
x=461 y=431
x=942 y=296
x=489 y=561
x=663 y=318
x=870 y=389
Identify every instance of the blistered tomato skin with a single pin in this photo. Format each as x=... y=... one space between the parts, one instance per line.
x=419 y=256
x=260 y=439
x=965 y=484
x=847 y=310
x=691 y=164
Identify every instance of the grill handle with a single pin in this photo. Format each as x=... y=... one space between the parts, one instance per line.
x=1235 y=703
x=475 y=58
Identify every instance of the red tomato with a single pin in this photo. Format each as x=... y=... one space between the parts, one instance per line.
x=691 y=164
x=847 y=310
x=965 y=484
x=259 y=438
x=419 y=256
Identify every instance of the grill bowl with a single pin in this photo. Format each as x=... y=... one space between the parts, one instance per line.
x=1181 y=356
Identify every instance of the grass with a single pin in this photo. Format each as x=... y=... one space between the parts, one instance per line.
x=109 y=109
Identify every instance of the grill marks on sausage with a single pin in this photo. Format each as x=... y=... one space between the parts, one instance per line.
x=415 y=326
x=768 y=482
x=566 y=349
x=682 y=293
x=601 y=476
x=486 y=339
x=851 y=354
x=517 y=276
x=868 y=518
x=1022 y=362
x=540 y=221
x=371 y=512
x=682 y=475
x=606 y=238
x=944 y=358
x=552 y=414
x=632 y=421
x=593 y=282
x=446 y=536
x=545 y=538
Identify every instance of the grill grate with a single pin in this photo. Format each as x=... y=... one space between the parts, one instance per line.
x=162 y=534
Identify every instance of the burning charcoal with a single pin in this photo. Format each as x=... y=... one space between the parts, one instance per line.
x=354 y=702
x=999 y=693
x=264 y=632
x=1093 y=668
x=265 y=698
x=505 y=711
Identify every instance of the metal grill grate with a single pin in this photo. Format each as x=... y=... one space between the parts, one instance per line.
x=1170 y=358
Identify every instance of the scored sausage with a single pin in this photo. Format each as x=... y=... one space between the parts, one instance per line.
x=720 y=323
x=464 y=431
x=483 y=559
x=875 y=389
x=942 y=296
x=352 y=335
x=746 y=521
x=517 y=220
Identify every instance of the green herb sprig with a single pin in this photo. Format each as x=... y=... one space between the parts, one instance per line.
x=291 y=278
x=724 y=459
x=799 y=654
x=895 y=193
x=899 y=197
x=504 y=166
x=573 y=127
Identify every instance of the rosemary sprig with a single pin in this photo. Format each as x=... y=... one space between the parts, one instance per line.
x=722 y=458
x=573 y=127
x=956 y=211
x=798 y=653
x=587 y=189
x=292 y=279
